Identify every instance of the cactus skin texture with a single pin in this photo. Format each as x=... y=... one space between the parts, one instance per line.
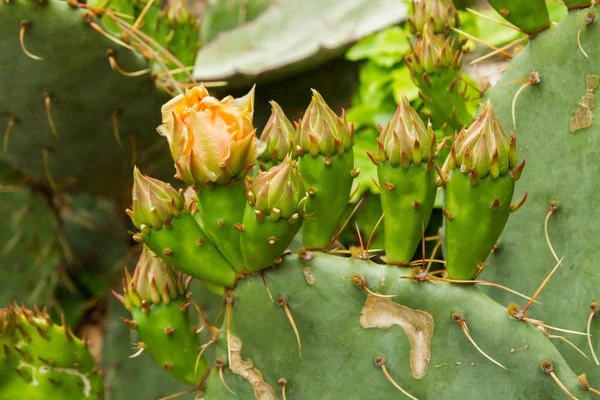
x=42 y=360
x=543 y=113
x=326 y=162
x=344 y=346
x=156 y=298
x=117 y=117
x=407 y=178
x=530 y=16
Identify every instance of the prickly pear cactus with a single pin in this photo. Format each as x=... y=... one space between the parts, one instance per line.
x=291 y=323
x=76 y=111
x=42 y=360
x=557 y=129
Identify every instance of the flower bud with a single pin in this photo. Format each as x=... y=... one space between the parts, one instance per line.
x=153 y=281
x=483 y=147
x=405 y=137
x=278 y=136
x=321 y=131
x=280 y=191
x=433 y=53
x=211 y=140
x=437 y=15
x=154 y=201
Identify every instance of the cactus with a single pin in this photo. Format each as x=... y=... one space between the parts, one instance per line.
x=48 y=104
x=402 y=329
x=560 y=210
x=42 y=360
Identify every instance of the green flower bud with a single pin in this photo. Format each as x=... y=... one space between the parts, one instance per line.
x=433 y=53
x=437 y=15
x=277 y=138
x=279 y=192
x=321 y=131
x=405 y=139
x=154 y=201
x=484 y=147
x=153 y=281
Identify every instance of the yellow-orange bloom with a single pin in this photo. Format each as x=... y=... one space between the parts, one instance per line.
x=211 y=140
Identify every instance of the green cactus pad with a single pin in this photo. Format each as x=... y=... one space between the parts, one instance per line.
x=220 y=210
x=62 y=93
x=407 y=205
x=186 y=247
x=42 y=360
x=338 y=362
x=474 y=228
x=530 y=16
x=561 y=166
x=30 y=247
x=329 y=188
x=169 y=337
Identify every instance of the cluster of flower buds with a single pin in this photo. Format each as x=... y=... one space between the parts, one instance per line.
x=440 y=16
x=153 y=282
x=484 y=148
x=432 y=54
x=278 y=193
x=321 y=131
x=277 y=139
x=405 y=139
x=154 y=202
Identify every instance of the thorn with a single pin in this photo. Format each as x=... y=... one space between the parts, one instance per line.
x=518 y=92
x=373 y=231
x=504 y=13
x=499 y=50
x=65 y=327
x=516 y=205
x=442 y=174
x=388 y=186
x=51 y=181
x=168 y=366
x=361 y=282
x=229 y=298
x=115 y=67
x=582 y=379
x=564 y=339
x=460 y=319
x=47 y=99
x=446 y=214
x=282 y=384
x=220 y=363
x=551 y=210
x=282 y=301
x=41 y=332
x=339 y=232
x=477 y=282
x=24 y=25
x=167 y=252
x=548 y=368
x=539 y=289
x=588 y=20
x=380 y=362
x=202 y=348
x=480 y=41
x=46 y=361
x=11 y=123
x=199 y=310
x=262 y=275
x=6 y=349
x=593 y=313
x=22 y=374
x=115 y=122
x=169 y=331
x=140 y=349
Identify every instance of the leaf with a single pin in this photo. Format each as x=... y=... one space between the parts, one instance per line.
x=291 y=36
x=385 y=48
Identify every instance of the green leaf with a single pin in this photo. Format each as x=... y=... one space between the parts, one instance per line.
x=385 y=48
x=291 y=36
